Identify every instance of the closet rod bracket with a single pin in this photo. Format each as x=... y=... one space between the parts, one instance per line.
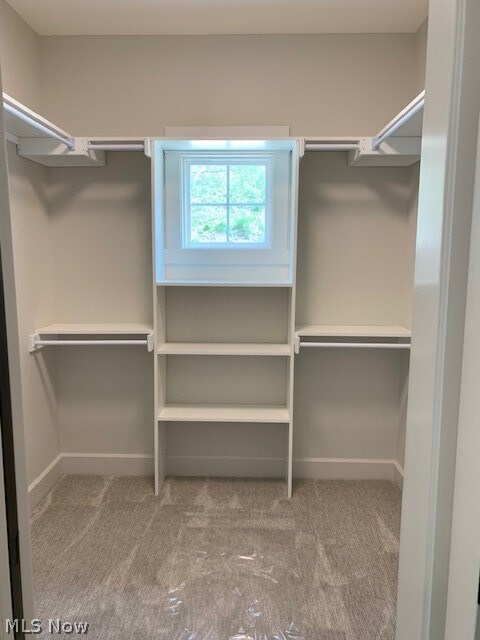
x=150 y=342
x=296 y=344
x=33 y=339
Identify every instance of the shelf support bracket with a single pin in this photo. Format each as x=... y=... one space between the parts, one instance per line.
x=296 y=344
x=150 y=341
x=32 y=343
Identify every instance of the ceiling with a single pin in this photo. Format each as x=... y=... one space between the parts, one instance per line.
x=201 y=17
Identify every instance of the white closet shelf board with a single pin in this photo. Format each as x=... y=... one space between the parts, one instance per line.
x=366 y=333
x=223 y=413
x=408 y=123
x=102 y=334
x=42 y=141
x=99 y=329
x=221 y=283
x=24 y=127
x=354 y=331
x=398 y=144
x=219 y=145
x=224 y=349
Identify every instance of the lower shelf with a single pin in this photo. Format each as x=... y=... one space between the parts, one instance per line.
x=223 y=349
x=223 y=413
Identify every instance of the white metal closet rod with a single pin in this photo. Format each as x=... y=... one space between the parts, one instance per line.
x=357 y=345
x=396 y=124
x=320 y=146
x=116 y=147
x=68 y=142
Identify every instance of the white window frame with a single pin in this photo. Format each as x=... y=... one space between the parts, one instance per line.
x=226 y=160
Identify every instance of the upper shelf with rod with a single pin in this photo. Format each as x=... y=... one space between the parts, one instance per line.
x=352 y=337
x=43 y=142
x=397 y=144
x=100 y=334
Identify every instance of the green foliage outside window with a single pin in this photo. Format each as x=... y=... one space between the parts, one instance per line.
x=227 y=203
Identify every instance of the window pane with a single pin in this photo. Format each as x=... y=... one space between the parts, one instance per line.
x=247 y=183
x=208 y=224
x=247 y=224
x=208 y=183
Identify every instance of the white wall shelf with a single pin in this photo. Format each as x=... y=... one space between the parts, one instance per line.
x=22 y=122
x=223 y=413
x=353 y=337
x=41 y=141
x=221 y=283
x=223 y=349
x=92 y=334
x=353 y=331
x=398 y=144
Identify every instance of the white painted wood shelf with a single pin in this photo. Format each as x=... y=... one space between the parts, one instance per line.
x=352 y=331
x=223 y=413
x=92 y=334
x=222 y=283
x=394 y=337
x=224 y=349
x=98 y=329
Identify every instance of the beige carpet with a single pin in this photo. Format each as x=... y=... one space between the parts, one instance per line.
x=215 y=559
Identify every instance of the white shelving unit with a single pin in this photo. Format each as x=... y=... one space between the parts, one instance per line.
x=397 y=144
x=99 y=334
x=254 y=413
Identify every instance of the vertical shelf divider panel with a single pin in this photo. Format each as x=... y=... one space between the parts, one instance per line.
x=291 y=312
x=159 y=326
x=161 y=388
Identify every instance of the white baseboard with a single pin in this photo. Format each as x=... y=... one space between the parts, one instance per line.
x=39 y=488
x=343 y=469
x=398 y=474
x=323 y=468
x=109 y=464
x=137 y=464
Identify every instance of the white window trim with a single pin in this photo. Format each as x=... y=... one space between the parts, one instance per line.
x=227 y=160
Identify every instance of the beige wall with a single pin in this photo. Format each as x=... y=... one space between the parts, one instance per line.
x=34 y=273
x=356 y=248
x=82 y=254
x=421 y=56
x=129 y=85
x=356 y=244
x=101 y=234
x=319 y=85
x=19 y=58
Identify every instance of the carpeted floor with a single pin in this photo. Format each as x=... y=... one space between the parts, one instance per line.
x=215 y=559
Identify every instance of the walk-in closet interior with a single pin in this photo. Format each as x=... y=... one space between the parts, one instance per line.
x=214 y=241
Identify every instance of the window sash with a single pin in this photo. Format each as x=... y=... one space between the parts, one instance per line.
x=200 y=159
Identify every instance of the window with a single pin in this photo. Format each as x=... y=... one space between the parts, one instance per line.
x=224 y=210
x=226 y=202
